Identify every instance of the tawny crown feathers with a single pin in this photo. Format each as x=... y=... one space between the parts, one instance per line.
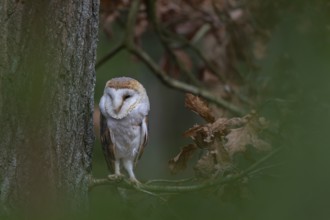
x=125 y=83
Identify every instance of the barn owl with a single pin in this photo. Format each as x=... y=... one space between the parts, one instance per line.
x=124 y=110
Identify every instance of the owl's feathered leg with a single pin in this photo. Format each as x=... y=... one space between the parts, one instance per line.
x=128 y=164
x=117 y=167
x=117 y=175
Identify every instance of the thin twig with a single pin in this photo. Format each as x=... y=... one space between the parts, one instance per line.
x=140 y=53
x=163 y=181
x=183 y=86
x=112 y=53
x=256 y=164
x=138 y=188
x=202 y=31
x=190 y=45
x=181 y=67
x=131 y=21
x=183 y=188
x=151 y=9
x=259 y=170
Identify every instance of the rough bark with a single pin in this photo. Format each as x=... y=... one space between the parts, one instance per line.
x=47 y=58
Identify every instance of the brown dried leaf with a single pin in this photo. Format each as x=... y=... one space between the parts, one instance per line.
x=192 y=132
x=179 y=162
x=199 y=106
x=106 y=21
x=168 y=66
x=205 y=166
x=214 y=162
x=220 y=126
x=203 y=135
x=141 y=25
x=260 y=49
x=236 y=122
x=108 y=6
x=236 y=14
x=239 y=138
x=208 y=77
x=167 y=10
x=260 y=144
x=184 y=59
x=172 y=67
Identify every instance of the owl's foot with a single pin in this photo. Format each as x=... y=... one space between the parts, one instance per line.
x=116 y=177
x=135 y=182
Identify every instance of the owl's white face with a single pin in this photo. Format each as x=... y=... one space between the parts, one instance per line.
x=121 y=96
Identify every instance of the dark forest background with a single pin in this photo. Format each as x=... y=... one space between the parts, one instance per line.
x=279 y=60
x=240 y=108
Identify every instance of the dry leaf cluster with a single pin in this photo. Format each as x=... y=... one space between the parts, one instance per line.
x=203 y=40
x=221 y=139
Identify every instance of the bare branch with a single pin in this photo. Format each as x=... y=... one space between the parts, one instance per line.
x=143 y=56
x=140 y=53
x=112 y=53
x=181 y=85
x=151 y=8
x=169 y=181
x=190 y=45
x=174 y=187
x=200 y=33
x=131 y=21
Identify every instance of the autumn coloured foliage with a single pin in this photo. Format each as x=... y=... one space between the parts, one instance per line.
x=255 y=73
x=221 y=138
x=202 y=43
x=202 y=40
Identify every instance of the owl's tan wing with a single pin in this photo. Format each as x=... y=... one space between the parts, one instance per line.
x=144 y=138
x=107 y=145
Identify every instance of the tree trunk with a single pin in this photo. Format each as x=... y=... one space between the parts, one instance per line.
x=47 y=76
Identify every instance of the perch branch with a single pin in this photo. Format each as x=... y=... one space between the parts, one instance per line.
x=169 y=181
x=156 y=188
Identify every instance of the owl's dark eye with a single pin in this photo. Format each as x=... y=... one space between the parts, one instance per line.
x=126 y=97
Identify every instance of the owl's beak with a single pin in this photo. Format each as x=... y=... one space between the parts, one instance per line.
x=117 y=105
x=117 y=110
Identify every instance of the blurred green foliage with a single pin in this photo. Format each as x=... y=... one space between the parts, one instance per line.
x=297 y=71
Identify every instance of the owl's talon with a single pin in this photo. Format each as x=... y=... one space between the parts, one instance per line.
x=135 y=182
x=115 y=177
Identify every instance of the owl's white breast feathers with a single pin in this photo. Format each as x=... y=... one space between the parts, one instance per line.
x=127 y=134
